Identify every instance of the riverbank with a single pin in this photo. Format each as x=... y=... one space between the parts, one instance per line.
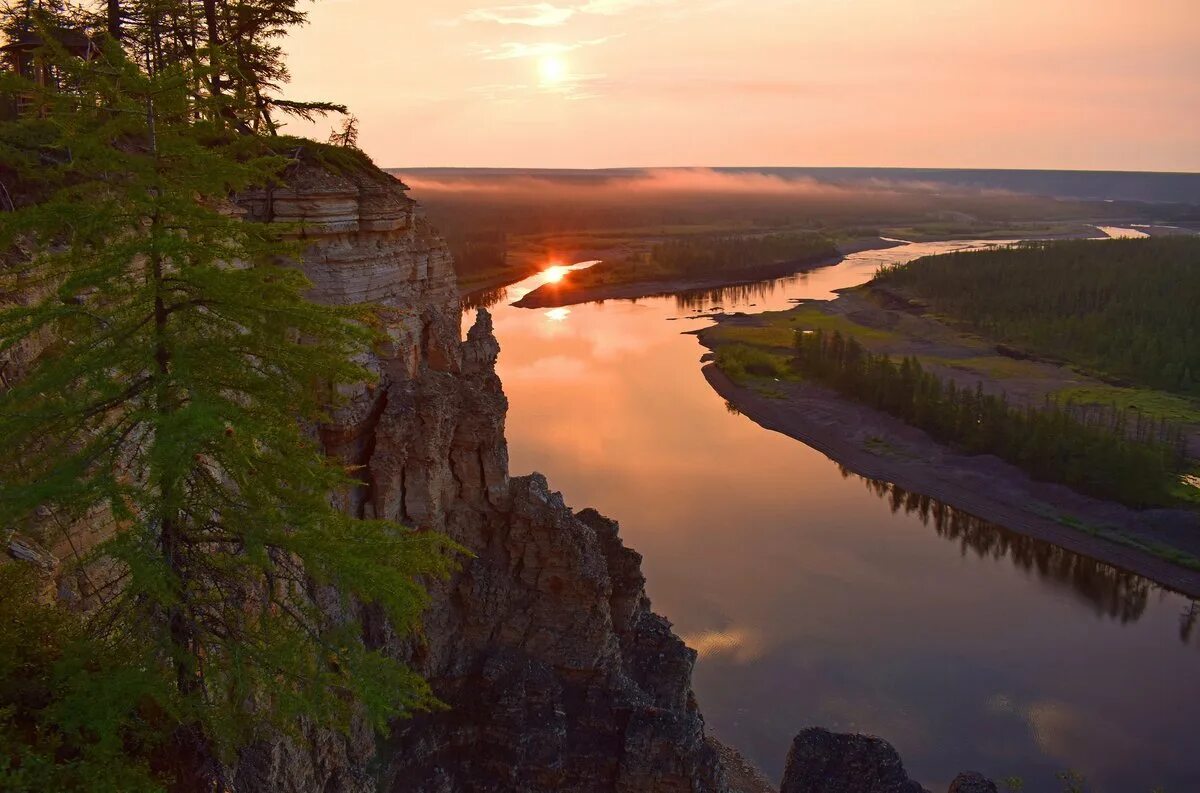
x=566 y=293
x=1161 y=544
x=529 y=260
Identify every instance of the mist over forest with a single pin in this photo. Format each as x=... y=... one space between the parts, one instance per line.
x=546 y=201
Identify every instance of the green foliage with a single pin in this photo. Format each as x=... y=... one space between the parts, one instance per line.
x=1122 y=307
x=741 y=362
x=69 y=703
x=1107 y=453
x=720 y=254
x=1153 y=404
x=711 y=255
x=175 y=412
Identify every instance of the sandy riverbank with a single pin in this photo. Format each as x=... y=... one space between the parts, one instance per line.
x=1161 y=544
x=878 y=446
x=565 y=293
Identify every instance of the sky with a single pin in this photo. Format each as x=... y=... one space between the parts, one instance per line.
x=1073 y=84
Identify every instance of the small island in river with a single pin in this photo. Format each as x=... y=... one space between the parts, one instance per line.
x=677 y=265
x=1107 y=436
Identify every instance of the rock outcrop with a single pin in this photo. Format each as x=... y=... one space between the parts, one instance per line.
x=557 y=674
x=821 y=761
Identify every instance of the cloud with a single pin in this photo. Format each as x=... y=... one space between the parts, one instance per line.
x=614 y=7
x=538 y=15
x=544 y=15
x=518 y=49
x=575 y=86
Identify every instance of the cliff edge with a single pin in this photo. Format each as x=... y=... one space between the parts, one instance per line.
x=556 y=673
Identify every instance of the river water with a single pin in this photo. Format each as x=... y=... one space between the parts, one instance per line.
x=815 y=597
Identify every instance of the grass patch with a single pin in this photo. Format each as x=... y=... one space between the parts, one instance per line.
x=1155 y=404
x=1115 y=535
x=998 y=367
x=779 y=328
x=743 y=363
x=812 y=318
x=756 y=335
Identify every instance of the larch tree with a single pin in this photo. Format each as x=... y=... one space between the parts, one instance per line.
x=175 y=405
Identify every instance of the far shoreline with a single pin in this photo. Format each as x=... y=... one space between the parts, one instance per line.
x=563 y=293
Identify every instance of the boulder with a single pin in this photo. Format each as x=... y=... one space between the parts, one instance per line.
x=821 y=761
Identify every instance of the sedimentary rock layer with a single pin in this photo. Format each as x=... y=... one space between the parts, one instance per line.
x=557 y=674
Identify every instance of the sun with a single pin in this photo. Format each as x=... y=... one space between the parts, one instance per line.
x=552 y=69
x=554 y=274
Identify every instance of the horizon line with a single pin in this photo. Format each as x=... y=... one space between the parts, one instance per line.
x=779 y=167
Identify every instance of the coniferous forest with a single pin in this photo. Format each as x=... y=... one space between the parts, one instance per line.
x=707 y=255
x=1128 y=308
x=697 y=256
x=1106 y=453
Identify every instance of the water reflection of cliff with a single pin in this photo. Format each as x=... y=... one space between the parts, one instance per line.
x=736 y=294
x=1110 y=591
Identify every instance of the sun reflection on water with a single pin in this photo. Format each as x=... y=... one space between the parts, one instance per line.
x=557 y=314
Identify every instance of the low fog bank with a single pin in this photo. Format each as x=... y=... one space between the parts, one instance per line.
x=541 y=201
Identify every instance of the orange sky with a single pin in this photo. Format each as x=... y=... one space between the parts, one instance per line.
x=1088 y=84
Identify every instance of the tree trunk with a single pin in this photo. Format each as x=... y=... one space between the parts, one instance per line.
x=214 y=41
x=114 y=19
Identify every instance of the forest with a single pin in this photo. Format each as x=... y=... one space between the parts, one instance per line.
x=1123 y=308
x=704 y=255
x=1102 y=452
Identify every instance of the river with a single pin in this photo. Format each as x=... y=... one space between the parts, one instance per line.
x=815 y=597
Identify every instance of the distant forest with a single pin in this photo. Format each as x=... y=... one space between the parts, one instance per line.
x=1106 y=453
x=1126 y=308
x=703 y=255
x=700 y=255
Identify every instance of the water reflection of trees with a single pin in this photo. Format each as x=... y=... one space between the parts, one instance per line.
x=735 y=294
x=484 y=298
x=1109 y=591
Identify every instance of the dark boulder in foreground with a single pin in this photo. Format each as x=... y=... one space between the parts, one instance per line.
x=821 y=761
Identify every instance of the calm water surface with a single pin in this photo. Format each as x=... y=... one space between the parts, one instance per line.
x=817 y=598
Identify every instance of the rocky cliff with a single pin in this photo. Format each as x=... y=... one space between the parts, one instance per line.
x=557 y=674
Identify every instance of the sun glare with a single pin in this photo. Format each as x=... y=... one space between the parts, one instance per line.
x=555 y=274
x=552 y=69
x=558 y=314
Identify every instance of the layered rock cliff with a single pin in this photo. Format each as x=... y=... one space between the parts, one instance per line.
x=556 y=673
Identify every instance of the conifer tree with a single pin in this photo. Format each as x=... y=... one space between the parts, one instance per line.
x=175 y=405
